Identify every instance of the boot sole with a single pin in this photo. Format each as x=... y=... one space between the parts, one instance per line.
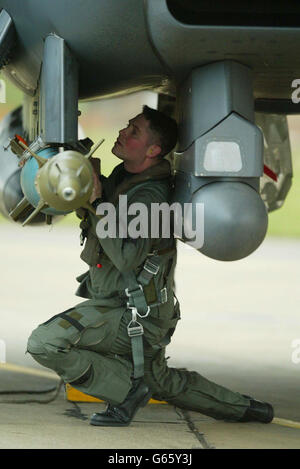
x=108 y=424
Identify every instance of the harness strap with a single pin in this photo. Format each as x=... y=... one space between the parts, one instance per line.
x=135 y=330
x=68 y=318
x=139 y=307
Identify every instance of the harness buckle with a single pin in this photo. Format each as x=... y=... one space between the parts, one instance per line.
x=129 y=293
x=151 y=267
x=134 y=331
x=164 y=295
x=135 y=312
x=153 y=253
x=133 y=308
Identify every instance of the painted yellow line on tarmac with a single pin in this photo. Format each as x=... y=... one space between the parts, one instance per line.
x=27 y=370
x=286 y=423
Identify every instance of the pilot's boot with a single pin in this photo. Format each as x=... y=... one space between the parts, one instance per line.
x=122 y=414
x=258 y=412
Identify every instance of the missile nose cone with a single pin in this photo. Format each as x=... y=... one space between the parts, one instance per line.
x=69 y=193
x=65 y=182
x=68 y=186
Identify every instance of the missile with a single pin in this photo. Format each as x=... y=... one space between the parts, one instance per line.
x=55 y=183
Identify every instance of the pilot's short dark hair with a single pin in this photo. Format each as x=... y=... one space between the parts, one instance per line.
x=164 y=127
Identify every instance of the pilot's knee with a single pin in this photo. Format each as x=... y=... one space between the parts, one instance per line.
x=36 y=343
x=44 y=343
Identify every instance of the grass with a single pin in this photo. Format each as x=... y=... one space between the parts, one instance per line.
x=286 y=220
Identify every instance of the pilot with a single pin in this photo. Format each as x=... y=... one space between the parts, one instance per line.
x=112 y=345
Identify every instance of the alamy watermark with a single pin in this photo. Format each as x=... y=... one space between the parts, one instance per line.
x=161 y=220
x=2 y=351
x=296 y=93
x=296 y=353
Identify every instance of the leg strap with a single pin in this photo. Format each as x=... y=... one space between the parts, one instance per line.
x=135 y=332
x=138 y=305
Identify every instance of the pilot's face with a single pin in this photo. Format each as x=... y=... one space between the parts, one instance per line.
x=134 y=140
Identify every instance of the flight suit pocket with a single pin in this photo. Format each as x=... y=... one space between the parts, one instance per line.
x=86 y=326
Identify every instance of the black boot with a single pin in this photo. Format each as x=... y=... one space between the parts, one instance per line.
x=258 y=412
x=122 y=414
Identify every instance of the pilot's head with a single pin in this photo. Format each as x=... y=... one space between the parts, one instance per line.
x=148 y=137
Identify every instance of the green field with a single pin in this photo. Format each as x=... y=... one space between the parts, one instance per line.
x=97 y=122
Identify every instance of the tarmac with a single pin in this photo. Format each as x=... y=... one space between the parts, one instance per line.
x=50 y=421
x=239 y=328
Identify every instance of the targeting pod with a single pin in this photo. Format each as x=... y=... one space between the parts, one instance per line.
x=220 y=161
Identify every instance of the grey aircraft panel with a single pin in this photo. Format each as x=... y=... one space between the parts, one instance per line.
x=126 y=45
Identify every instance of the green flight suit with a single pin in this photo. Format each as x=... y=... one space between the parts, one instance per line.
x=88 y=345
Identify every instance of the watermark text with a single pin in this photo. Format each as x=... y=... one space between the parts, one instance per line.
x=296 y=353
x=296 y=93
x=2 y=351
x=159 y=220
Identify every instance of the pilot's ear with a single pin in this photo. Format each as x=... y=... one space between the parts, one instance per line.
x=153 y=151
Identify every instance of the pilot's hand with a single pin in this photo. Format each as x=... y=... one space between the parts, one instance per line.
x=97 y=189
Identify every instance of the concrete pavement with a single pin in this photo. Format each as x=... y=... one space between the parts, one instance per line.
x=239 y=327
